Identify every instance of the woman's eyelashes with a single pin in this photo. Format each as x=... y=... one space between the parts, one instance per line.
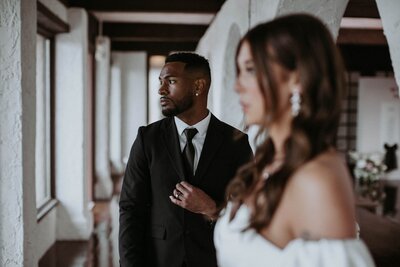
x=250 y=69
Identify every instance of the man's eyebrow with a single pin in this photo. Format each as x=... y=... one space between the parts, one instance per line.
x=167 y=76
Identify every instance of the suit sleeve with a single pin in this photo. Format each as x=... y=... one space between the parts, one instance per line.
x=134 y=207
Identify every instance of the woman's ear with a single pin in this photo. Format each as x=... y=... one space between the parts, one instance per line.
x=294 y=81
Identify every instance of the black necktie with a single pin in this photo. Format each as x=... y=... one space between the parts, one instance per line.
x=188 y=151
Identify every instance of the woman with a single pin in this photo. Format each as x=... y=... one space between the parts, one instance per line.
x=292 y=206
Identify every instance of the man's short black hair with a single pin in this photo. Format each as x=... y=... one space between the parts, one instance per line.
x=193 y=62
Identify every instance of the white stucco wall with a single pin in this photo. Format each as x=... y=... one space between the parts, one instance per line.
x=155 y=113
x=262 y=11
x=17 y=133
x=375 y=126
x=329 y=11
x=103 y=183
x=133 y=67
x=389 y=10
x=45 y=233
x=74 y=219
x=57 y=8
x=233 y=21
x=213 y=45
x=115 y=121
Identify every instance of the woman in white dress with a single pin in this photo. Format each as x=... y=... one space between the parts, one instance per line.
x=293 y=206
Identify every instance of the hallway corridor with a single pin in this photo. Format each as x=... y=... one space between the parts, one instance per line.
x=100 y=251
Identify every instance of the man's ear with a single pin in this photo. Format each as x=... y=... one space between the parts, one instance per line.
x=200 y=86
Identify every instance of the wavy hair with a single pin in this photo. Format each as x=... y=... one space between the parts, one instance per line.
x=299 y=43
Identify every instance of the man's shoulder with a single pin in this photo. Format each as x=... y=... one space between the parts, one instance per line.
x=227 y=128
x=156 y=126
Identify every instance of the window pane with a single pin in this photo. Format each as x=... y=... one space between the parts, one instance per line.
x=42 y=120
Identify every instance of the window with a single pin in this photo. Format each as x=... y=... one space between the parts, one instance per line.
x=43 y=121
x=48 y=26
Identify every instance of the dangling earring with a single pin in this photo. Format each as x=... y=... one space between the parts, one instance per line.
x=295 y=101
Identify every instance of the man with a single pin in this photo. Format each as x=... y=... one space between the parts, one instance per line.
x=175 y=178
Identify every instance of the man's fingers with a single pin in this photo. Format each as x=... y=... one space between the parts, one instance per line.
x=187 y=186
x=182 y=189
x=175 y=201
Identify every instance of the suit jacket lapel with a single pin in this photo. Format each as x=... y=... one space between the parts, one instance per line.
x=212 y=143
x=173 y=147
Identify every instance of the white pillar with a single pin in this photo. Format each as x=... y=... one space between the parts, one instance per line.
x=74 y=219
x=103 y=183
x=117 y=166
x=389 y=10
x=17 y=133
x=134 y=95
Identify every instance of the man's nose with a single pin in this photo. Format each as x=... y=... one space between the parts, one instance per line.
x=163 y=89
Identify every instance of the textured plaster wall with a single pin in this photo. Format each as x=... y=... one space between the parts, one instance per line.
x=232 y=21
x=74 y=219
x=115 y=120
x=57 y=8
x=133 y=91
x=219 y=38
x=17 y=133
x=46 y=227
x=262 y=10
x=103 y=186
x=389 y=11
x=329 y=11
x=45 y=233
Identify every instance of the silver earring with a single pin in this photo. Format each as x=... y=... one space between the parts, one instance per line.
x=197 y=94
x=295 y=101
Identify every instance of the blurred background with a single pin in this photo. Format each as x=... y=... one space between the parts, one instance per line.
x=79 y=77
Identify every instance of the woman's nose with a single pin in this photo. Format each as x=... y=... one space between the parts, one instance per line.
x=237 y=86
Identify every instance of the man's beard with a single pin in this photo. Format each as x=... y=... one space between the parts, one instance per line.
x=178 y=107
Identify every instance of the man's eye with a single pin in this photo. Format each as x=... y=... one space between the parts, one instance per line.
x=171 y=81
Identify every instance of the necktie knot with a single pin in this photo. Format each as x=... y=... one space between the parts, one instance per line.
x=190 y=133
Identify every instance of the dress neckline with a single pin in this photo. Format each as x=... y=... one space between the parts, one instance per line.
x=268 y=242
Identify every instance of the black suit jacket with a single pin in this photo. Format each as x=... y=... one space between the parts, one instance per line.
x=153 y=230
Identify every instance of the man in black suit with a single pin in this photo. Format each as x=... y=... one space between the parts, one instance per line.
x=175 y=178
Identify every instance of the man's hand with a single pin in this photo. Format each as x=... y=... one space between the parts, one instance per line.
x=193 y=199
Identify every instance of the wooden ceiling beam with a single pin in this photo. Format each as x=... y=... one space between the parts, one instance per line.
x=366 y=58
x=184 y=6
x=154 y=32
x=361 y=37
x=153 y=48
x=362 y=9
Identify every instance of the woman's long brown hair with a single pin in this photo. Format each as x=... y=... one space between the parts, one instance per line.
x=299 y=43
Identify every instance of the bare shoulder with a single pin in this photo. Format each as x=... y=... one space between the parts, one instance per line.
x=321 y=199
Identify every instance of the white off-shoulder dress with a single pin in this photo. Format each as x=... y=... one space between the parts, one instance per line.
x=238 y=248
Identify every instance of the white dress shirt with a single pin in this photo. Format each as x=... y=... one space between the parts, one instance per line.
x=198 y=139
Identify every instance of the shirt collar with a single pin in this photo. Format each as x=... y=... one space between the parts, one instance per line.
x=201 y=126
